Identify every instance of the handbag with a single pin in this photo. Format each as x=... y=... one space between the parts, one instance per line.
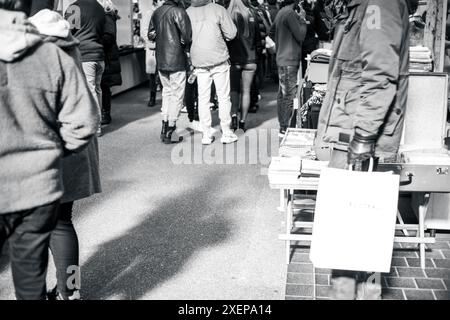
x=354 y=223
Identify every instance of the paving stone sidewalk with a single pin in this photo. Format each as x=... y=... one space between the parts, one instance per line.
x=406 y=281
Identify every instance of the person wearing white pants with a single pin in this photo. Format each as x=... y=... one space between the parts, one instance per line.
x=211 y=27
x=221 y=76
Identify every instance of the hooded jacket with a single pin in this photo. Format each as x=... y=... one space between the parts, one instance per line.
x=368 y=77
x=81 y=177
x=212 y=26
x=46 y=110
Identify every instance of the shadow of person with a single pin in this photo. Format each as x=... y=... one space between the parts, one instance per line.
x=158 y=247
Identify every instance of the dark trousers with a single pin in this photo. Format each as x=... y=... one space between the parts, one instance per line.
x=286 y=94
x=152 y=83
x=106 y=98
x=65 y=250
x=28 y=234
x=190 y=100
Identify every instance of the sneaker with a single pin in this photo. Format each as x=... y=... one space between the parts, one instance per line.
x=343 y=288
x=282 y=133
x=368 y=291
x=229 y=138
x=184 y=110
x=196 y=126
x=207 y=140
x=54 y=295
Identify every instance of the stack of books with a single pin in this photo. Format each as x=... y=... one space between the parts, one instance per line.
x=298 y=143
x=295 y=171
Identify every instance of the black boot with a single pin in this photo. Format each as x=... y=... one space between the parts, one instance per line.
x=234 y=123
x=152 y=101
x=171 y=136
x=106 y=117
x=242 y=126
x=165 y=125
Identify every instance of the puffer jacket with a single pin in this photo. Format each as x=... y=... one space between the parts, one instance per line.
x=112 y=76
x=46 y=110
x=368 y=77
x=171 y=29
x=211 y=27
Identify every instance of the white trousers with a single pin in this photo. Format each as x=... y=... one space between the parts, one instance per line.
x=221 y=77
x=174 y=85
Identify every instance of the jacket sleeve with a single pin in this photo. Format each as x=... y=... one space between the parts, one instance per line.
x=227 y=25
x=297 y=26
x=109 y=36
x=151 y=35
x=78 y=115
x=184 y=26
x=381 y=39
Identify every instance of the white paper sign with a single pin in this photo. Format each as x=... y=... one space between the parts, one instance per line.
x=354 y=223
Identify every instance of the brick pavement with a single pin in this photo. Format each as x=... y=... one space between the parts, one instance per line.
x=406 y=281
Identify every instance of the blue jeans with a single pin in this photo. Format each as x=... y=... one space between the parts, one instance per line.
x=286 y=94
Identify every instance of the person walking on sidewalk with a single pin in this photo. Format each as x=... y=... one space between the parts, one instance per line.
x=212 y=26
x=112 y=76
x=150 y=52
x=81 y=177
x=288 y=31
x=243 y=61
x=38 y=127
x=171 y=29
x=87 y=20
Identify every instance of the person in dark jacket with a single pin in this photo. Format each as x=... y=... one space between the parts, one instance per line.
x=288 y=31
x=37 y=128
x=316 y=29
x=243 y=59
x=112 y=75
x=264 y=27
x=363 y=112
x=87 y=20
x=273 y=9
x=171 y=29
x=38 y=5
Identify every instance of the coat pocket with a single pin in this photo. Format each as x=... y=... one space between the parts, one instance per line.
x=345 y=103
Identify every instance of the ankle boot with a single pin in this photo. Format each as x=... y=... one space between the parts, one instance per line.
x=165 y=125
x=171 y=136
x=234 y=123
x=152 y=101
x=106 y=117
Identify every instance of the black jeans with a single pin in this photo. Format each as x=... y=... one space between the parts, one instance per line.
x=65 y=250
x=190 y=100
x=286 y=94
x=28 y=234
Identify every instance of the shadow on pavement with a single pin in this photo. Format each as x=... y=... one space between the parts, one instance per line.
x=158 y=247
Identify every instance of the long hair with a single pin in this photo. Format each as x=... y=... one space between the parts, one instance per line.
x=237 y=7
x=109 y=6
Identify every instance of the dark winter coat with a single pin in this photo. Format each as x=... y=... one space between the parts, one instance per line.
x=171 y=29
x=368 y=77
x=112 y=76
